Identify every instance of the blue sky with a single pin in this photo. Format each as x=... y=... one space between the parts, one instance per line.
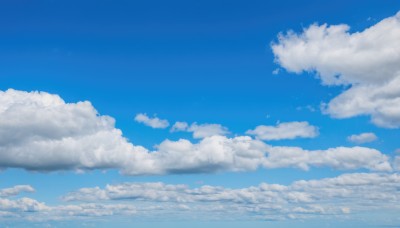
x=288 y=113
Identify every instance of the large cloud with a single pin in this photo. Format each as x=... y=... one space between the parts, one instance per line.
x=368 y=61
x=39 y=131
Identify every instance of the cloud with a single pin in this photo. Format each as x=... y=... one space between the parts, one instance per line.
x=288 y=130
x=348 y=194
x=179 y=126
x=39 y=211
x=21 y=205
x=16 y=190
x=24 y=204
x=362 y=138
x=200 y=131
x=366 y=62
x=342 y=158
x=151 y=122
x=345 y=194
x=43 y=133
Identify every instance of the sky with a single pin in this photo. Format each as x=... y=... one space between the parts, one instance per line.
x=200 y=113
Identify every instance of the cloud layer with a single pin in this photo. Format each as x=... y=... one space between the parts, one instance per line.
x=367 y=61
x=344 y=195
x=41 y=132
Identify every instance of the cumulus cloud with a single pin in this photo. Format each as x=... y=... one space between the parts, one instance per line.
x=362 y=138
x=200 y=130
x=288 y=130
x=154 y=122
x=39 y=131
x=366 y=62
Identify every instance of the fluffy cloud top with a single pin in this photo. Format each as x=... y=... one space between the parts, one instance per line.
x=39 y=131
x=366 y=60
x=200 y=131
x=362 y=138
x=289 y=130
x=151 y=122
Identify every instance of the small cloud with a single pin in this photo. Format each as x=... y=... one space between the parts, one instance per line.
x=276 y=71
x=151 y=122
x=362 y=138
x=288 y=130
x=200 y=130
x=179 y=126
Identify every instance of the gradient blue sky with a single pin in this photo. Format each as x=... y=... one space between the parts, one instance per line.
x=208 y=62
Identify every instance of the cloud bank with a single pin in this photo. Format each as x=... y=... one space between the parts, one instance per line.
x=43 y=133
x=344 y=195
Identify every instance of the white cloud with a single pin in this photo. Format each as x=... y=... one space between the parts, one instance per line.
x=288 y=130
x=341 y=158
x=154 y=122
x=200 y=130
x=16 y=190
x=348 y=194
x=39 y=211
x=366 y=60
x=344 y=194
x=362 y=138
x=207 y=130
x=179 y=126
x=22 y=205
x=41 y=132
